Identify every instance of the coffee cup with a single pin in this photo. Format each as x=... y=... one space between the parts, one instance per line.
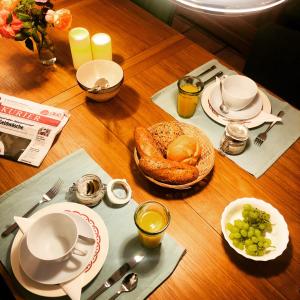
x=238 y=91
x=53 y=238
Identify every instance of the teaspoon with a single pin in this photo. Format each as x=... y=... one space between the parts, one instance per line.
x=129 y=283
x=223 y=107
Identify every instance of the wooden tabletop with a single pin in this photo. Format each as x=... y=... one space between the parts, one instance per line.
x=153 y=55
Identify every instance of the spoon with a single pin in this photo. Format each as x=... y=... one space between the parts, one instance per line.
x=100 y=84
x=223 y=107
x=129 y=283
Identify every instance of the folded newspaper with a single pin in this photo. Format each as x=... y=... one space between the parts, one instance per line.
x=28 y=129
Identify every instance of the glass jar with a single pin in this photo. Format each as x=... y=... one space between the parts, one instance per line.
x=234 y=139
x=89 y=190
x=189 y=88
x=46 y=52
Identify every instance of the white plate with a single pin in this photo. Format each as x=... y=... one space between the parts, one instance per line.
x=250 y=111
x=251 y=123
x=59 y=272
x=279 y=235
x=100 y=235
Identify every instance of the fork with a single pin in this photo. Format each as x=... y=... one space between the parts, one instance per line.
x=263 y=135
x=48 y=196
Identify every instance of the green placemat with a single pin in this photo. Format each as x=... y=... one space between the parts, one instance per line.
x=158 y=263
x=255 y=160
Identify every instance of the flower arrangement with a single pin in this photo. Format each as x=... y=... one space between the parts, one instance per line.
x=28 y=20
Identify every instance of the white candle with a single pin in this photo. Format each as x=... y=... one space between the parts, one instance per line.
x=101 y=46
x=80 y=44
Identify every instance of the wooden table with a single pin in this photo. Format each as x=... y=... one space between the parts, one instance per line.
x=153 y=56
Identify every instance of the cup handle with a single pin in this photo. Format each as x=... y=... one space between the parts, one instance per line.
x=79 y=252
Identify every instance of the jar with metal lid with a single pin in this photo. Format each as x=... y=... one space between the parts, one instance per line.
x=234 y=139
x=89 y=190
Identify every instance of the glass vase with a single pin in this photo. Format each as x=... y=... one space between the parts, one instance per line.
x=46 y=52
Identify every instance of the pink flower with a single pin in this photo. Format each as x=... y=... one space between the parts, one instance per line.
x=8 y=4
x=61 y=19
x=9 y=30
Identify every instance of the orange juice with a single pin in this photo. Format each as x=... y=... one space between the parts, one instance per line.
x=151 y=219
x=187 y=102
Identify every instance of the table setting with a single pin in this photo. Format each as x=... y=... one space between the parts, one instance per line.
x=111 y=229
x=264 y=109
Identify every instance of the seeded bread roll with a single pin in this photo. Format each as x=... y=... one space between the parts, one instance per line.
x=164 y=133
x=168 y=171
x=145 y=143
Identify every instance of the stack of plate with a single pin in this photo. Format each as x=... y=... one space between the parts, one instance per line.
x=251 y=115
x=49 y=278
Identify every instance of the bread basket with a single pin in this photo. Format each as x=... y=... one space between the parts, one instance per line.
x=204 y=165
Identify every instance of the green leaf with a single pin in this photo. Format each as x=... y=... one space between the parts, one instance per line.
x=41 y=29
x=27 y=25
x=26 y=32
x=29 y=44
x=20 y=37
x=23 y=17
x=35 y=36
x=9 y=19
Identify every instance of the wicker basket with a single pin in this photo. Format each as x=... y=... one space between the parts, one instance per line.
x=205 y=163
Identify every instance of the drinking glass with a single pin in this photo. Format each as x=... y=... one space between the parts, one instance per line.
x=152 y=219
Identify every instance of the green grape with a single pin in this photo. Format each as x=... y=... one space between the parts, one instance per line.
x=229 y=226
x=261 y=244
x=237 y=235
x=247 y=207
x=250 y=234
x=231 y=236
x=257 y=233
x=241 y=246
x=244 y=233
x=245 y=226
x=236 y=242
x=245 y=213
x=252 y=248
x=238 y=223
x=260 y=252
x=248 y=242
x=261 y=239
x=254 y=239
x=262 y=226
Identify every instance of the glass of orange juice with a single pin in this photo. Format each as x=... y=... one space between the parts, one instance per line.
x=152 y=219
x=189 y=88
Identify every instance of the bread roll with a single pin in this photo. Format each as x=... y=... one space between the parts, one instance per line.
x=184 y=149
x=145 y=143
x=168 y=171
x=164 y=133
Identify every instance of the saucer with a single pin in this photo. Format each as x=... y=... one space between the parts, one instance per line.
x=58 y=272
x=250 y=111
x=100 y=250
x=250 y=123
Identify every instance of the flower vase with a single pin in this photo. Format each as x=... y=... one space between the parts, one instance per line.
x=46 y=52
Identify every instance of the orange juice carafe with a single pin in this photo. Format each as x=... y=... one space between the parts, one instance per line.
x=189 y=88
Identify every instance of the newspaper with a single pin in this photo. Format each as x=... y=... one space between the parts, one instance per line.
x=28 y=129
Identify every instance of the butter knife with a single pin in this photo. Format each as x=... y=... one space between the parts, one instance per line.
x=117 y=275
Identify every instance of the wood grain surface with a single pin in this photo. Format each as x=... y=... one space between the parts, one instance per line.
x=153 y=56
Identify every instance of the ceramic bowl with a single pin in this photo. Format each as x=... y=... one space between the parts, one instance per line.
x=238 y=91
x=279 y=235
x=88 y=73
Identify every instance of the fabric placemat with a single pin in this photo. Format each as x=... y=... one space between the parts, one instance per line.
x=255 y=160
x=158 y=263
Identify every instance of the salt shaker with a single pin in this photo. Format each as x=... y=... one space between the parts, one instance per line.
x=234 y=139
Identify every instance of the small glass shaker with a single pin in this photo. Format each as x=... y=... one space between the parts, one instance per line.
x=234 y=139
x=89 y=190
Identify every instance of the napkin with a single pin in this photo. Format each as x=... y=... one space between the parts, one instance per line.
x=267 y=117
x=73 y=287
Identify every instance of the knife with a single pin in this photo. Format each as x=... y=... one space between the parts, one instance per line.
x=117 y=275
x=206 y=71
x=220 y=73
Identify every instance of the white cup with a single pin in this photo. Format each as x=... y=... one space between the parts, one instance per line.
x=53 y=238
x=238 y=91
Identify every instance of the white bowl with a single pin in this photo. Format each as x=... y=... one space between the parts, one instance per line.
x=279 y=235
x=238 y=91
x=88 y=73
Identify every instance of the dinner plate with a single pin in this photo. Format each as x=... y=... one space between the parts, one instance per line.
x=100 y=234
x=279 y=234
x=59 y=272
x=250 y=111
x=250 y=123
